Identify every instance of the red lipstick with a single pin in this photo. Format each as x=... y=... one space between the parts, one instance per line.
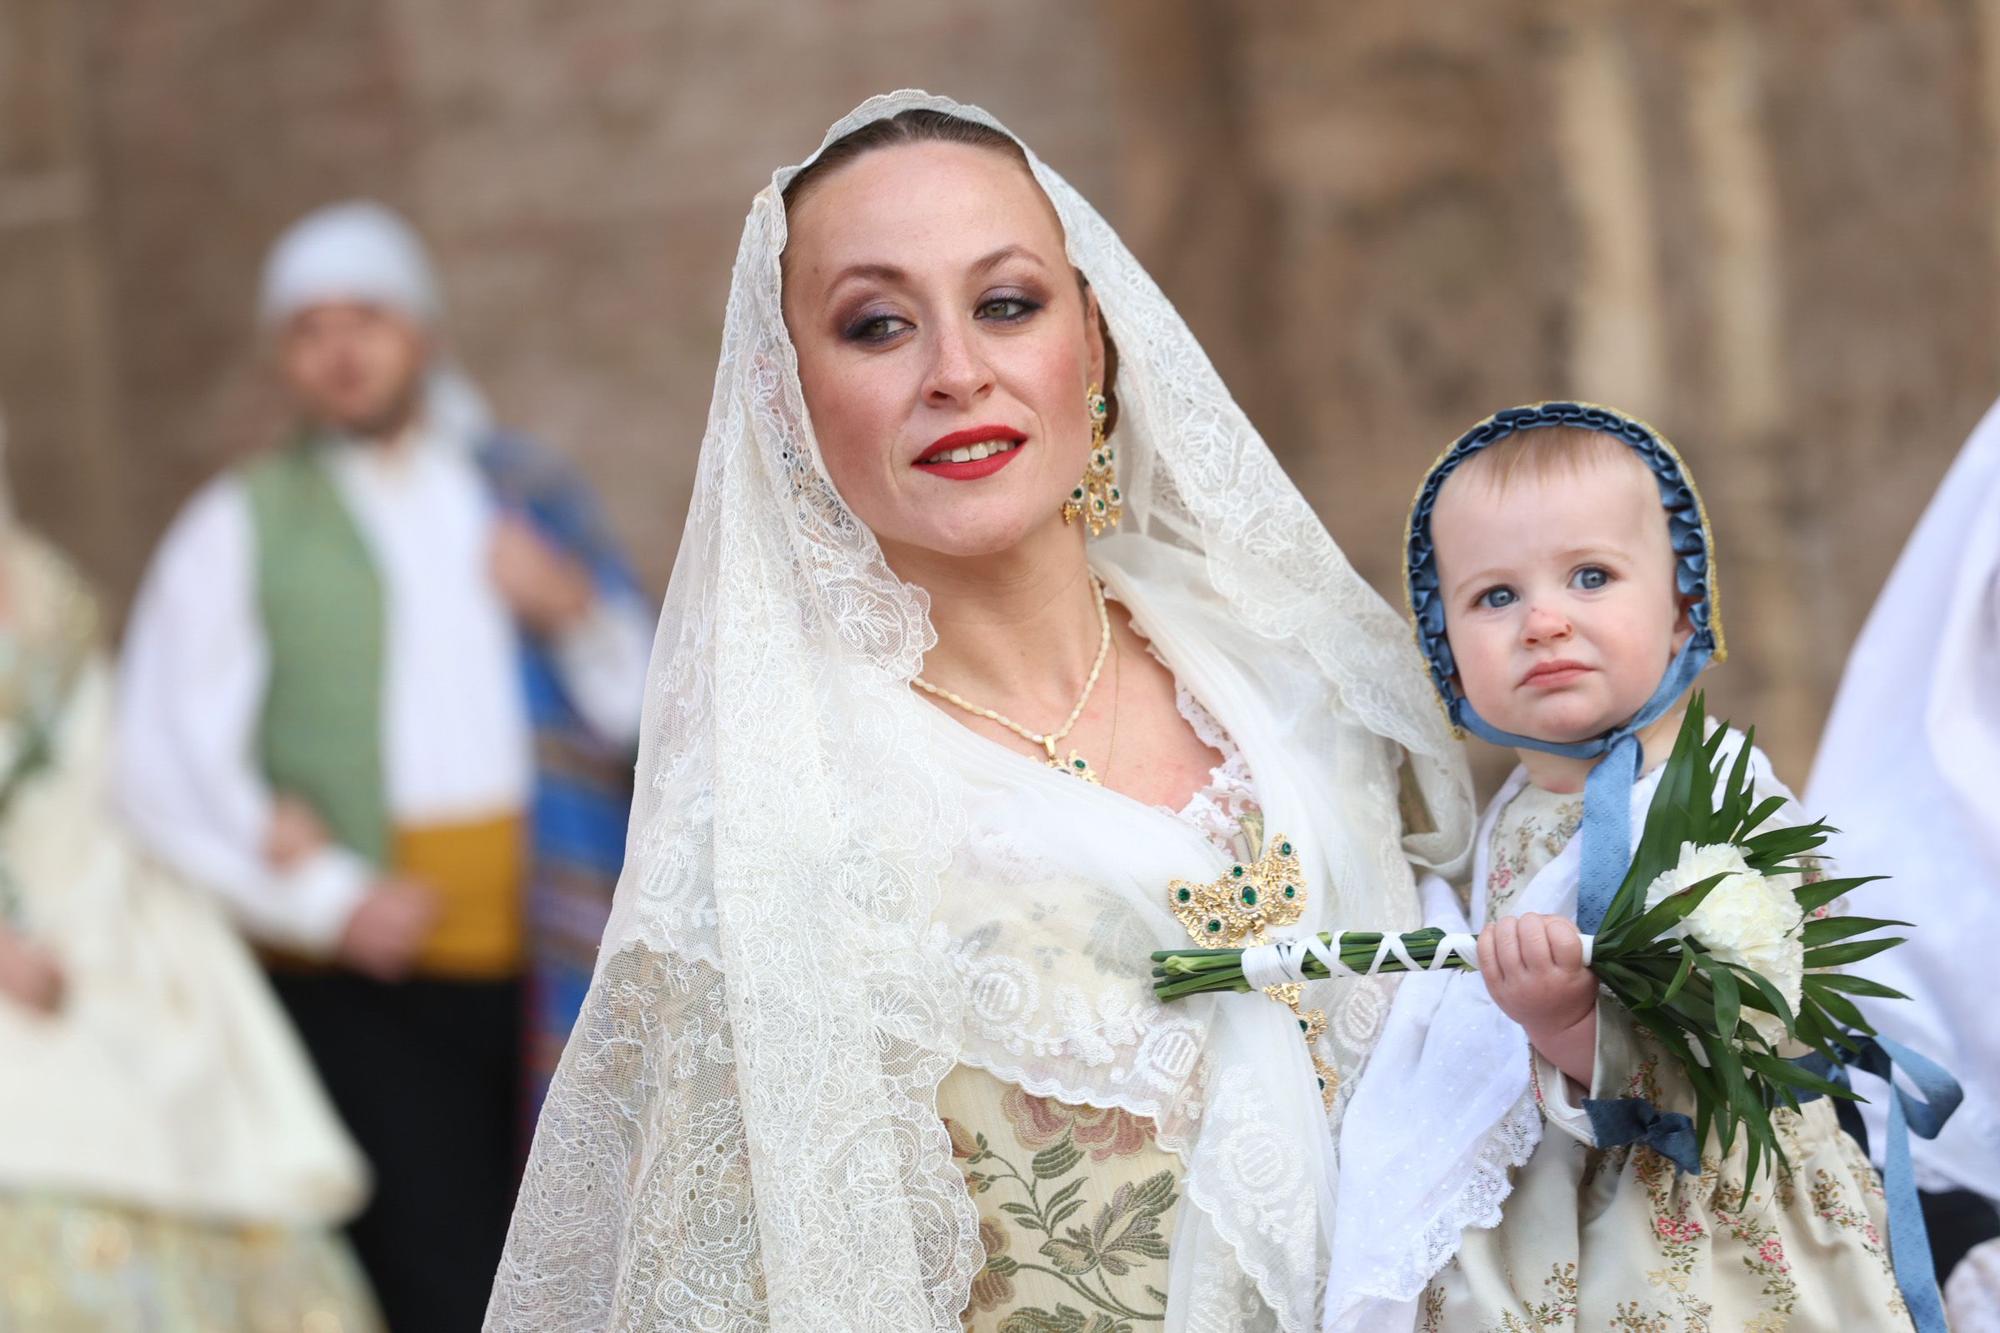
x=936 y=459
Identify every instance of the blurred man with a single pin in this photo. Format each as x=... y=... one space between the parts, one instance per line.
x=382 y=687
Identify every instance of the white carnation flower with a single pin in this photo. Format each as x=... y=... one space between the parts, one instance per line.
x=1748 y=919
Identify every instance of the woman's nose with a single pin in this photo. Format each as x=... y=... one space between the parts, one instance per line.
x=959 y=372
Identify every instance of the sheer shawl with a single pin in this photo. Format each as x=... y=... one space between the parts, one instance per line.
x=1906 y=770
x=782 y=985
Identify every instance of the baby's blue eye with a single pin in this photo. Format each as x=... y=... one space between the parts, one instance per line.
x=1590 y=578
x=1495 y=598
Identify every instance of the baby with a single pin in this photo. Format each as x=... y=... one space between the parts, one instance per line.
x=1559 y=572
x=1556 y=573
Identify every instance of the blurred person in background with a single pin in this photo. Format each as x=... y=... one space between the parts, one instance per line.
x=167 y=1159
x=1909 y=769
x=381 y=688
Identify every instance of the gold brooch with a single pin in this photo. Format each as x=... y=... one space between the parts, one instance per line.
x=1235 y=910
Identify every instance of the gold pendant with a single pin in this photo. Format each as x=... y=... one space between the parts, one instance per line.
x=1076 y=765
x=1237 y=909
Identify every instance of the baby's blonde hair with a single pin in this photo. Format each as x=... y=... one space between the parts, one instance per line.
x=1546 y=453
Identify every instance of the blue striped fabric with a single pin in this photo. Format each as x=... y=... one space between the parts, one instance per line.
x=583 y=784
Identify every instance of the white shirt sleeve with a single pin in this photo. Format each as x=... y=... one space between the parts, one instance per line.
x=603 y=659
x=192 y=682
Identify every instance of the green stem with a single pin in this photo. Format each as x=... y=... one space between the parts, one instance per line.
x=1117 y=1306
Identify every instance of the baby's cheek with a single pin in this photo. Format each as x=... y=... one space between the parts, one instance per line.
x=1477 y=665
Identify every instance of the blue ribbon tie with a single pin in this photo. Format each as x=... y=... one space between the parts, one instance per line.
x=1909 y=1240
x=1607 y=792
x=1617 y=1121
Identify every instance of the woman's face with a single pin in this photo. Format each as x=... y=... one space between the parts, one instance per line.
x=936 y=318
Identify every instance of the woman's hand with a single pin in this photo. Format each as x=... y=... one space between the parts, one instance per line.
x=29 y=975
x=1534 y=969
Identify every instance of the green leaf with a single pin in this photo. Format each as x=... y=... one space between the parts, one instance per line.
x=1763 y=811
x=1680 y=976
x=1057 y=1159
x=1155 y=1193
x=1812 y=897
x=1838 y=1007
x=1767 y=996
x=1856 y=985
x=1777 y=1069
x=1063 y=1196
x=1739 y=773
x=1853 y=951
x=1828 y=929
x=1728 y=1005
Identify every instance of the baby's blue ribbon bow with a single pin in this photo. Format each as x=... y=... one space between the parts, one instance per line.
x=1616 y=1121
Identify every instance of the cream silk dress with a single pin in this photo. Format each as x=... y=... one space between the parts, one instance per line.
x=1619 y=1239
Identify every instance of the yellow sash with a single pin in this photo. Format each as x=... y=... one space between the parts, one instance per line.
x=476 y=869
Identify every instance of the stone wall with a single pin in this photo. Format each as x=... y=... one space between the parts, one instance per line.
x=1771 y=230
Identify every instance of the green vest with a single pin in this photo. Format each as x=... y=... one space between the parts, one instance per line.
x=320 y=598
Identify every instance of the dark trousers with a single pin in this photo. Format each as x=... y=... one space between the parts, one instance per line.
x=427 y=1076
x=1957 y=1220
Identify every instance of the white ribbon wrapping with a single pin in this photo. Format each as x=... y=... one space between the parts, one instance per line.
x=1283 y=963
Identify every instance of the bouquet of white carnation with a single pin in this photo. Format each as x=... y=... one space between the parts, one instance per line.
x=1714 y=942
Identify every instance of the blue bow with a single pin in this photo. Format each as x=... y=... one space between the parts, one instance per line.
x=1617 y=1121
x=1909 y=1240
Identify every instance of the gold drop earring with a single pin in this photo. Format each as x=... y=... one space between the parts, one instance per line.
x=1096 y=499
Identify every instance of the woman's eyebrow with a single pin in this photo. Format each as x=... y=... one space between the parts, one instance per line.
x=878 y=271
x=1003 y=254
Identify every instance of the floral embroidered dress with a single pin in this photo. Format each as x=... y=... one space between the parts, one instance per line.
x=1077 y=1203
x=1618 y=1239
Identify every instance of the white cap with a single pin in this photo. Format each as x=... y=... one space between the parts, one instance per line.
x=356 y=251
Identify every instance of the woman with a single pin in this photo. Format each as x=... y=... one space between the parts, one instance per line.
x=872 y=1044
x=168 y=1161
x=1906 y=769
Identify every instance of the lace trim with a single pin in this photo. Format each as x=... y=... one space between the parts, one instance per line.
x=1507 y=1148
x=1217 y=807
x=1148 y=1109
x=1216 y=811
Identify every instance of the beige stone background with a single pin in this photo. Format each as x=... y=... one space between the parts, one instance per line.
x=1774 y=230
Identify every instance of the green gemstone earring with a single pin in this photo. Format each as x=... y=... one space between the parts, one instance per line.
x=1097 y=499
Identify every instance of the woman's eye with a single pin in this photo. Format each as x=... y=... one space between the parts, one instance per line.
x=1006 y=309
x=1495 y=598
x=875 y=328
x=1590 y=578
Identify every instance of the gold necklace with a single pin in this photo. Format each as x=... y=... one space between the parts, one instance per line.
x=1075 y=764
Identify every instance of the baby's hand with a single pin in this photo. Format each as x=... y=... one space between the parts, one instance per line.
x=1534 y=969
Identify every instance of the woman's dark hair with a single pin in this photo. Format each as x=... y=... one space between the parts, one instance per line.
x=916 y=126
x=922 y=125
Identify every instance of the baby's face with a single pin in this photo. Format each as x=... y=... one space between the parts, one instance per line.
x=1559 y=593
